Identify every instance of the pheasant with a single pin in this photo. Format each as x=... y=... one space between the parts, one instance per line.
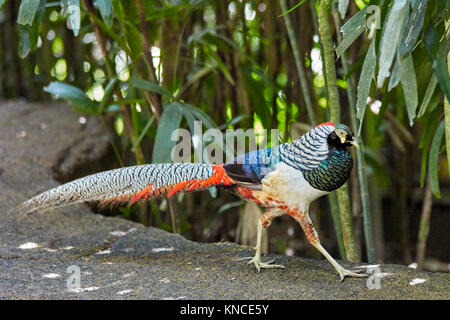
x=285 y=179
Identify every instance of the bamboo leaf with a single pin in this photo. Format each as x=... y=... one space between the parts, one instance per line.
x=342 y=8
x=390 y=38
x=106 y=10
x=143 y=133
x=23 y=48
x=423 y=166
x=367 y=73
x=413 y=28
x=76 y=97
x=170 y=121
x=73 y=8
x=351 y=30
x=394 y=79
x=2 y=3
x=437 y=59
x=108 y=90
x=194 y=78
x=217 y=62
x=434 y=160
x=118 y=10
x=34 y=29
x=27 y=11
x=293 y=8
x=409 y=84
x=150 y=86
x=113 y=108
x=233 y=121
x=427 y=97
x=198 y=114
x=425 y=142
x=28 y=35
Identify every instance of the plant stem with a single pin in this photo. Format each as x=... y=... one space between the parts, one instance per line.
x=332 y=197
x=364 y=191
x=299 y=64
x=328 y=53
x=424 y=227
x=334 y=207
x=152 y=98
x=447 y=120
x=346 y=224
x=333 y=101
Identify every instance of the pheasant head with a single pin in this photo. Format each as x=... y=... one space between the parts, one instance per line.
x=341 y=136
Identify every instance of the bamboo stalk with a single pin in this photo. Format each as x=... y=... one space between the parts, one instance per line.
x=315 y=19
x=332 y=197
x=334 y=208
x=298 y=62
x=424 y=227
x=333 y=101
x=447 y=120
x=152 y=98
x=364 y=191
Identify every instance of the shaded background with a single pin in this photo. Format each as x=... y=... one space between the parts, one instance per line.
x=146 y=68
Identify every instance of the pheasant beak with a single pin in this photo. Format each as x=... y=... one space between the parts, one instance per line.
x=343 y=138
x=354 y=143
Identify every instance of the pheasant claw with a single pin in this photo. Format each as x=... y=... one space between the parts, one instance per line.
x=265 y=265
x=347 y=273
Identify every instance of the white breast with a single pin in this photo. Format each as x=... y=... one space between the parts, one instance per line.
x=288 y=185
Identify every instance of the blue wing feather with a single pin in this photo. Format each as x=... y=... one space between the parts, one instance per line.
x=252 y=167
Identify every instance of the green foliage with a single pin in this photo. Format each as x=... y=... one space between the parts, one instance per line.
x=351 y=30
x=294 y=7
x=151 y=86
x=170 y=120
x=413 y=28
x=77 y=98
x=29 y=34
x=367 y=74
x=27 y=11
x=409 y=84
x=106 y=10
x=434 y=157
x=437 y=59
x=72 y=7
x=392 y=51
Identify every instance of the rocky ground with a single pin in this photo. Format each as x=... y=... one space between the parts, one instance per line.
x=71 y=253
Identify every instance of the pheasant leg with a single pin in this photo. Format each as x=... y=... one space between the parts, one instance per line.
x=303 y=219
x=264 y=222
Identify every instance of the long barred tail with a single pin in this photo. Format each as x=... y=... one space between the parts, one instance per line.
x=131 y=184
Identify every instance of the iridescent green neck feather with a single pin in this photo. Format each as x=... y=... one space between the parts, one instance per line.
x=332 y=172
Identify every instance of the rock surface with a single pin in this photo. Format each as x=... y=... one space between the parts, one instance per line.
x=42 y=255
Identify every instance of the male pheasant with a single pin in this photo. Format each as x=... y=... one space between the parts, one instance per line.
x=285 y=179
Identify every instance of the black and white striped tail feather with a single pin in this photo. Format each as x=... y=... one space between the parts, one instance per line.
x=117 y=186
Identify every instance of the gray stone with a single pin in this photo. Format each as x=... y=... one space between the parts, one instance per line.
x=118 y=259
